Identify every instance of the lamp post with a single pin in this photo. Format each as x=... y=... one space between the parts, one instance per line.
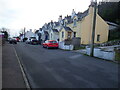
x=93 y=30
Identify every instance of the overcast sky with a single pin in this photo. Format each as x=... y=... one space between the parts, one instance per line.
x=32 y=14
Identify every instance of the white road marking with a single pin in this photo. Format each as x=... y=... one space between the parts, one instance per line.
x=22 y=70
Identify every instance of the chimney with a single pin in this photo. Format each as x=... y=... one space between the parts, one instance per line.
x=60 y=18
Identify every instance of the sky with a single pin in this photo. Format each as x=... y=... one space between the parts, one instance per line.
x=33 y=14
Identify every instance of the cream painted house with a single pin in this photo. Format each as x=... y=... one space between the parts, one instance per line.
x=81 y=26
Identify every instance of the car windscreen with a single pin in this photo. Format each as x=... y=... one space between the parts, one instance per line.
x=34 y=40
x=52 y=42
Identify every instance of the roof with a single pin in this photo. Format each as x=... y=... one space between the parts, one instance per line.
x=111 y=23
x=67 y=28
x=84 y=14
x=79 y=15
x=36 y=31
x=55 y=30
x=45 y=32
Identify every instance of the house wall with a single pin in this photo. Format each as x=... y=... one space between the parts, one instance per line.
x=29 y=34
x=36 y=35
x=76 y=28
x=42 y=36
x=60 y=35
x=101 y=29
x=55 y=35
x=86 y=26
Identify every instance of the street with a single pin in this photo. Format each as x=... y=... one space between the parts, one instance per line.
x=55 y=68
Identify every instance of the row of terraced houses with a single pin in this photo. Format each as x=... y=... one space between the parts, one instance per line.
x=76 y=25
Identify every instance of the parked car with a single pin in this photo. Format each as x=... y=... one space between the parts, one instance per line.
x=12 y=41
x=29 y=40
x=34 y=42
x=50 y=44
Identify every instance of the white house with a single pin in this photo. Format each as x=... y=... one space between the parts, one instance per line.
x=53 y=34
x=36 y=34
x=29 y=34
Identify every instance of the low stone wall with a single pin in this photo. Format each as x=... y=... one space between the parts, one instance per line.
x=108 y=55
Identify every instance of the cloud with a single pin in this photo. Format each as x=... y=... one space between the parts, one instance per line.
x=17 y=14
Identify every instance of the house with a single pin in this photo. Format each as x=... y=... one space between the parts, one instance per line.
x=21 y=36
x=53 y=34
x=65 y=33
x=36 y=34
x=50 y=31
x=80 y=25
x=29 y=34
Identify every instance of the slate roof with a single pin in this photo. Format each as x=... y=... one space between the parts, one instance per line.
x=111 y=23
x=79 y=15
x=67 y=28
x=45 y=32
x=36 y=31
x=55 y=30
x=69 y=19
x=84 y=14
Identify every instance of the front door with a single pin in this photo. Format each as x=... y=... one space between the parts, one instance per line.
x=69 y=35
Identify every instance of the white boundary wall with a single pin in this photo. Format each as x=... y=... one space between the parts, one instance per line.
x=65 y=47
x=108 y=55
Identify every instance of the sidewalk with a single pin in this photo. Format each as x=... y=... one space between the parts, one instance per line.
x=11 y=72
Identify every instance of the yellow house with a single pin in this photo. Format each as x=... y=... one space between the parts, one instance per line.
x=81 y=26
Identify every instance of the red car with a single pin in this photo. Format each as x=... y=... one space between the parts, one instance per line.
x=50 y=44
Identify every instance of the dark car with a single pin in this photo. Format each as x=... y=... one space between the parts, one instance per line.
x=12 y=41
x=34 y=42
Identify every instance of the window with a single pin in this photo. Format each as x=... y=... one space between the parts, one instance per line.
x=62 y=34
x=74 y=34
x=98 y=37
x=52 y=41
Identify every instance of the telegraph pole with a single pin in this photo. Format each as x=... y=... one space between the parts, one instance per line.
x=24 y=32
x=93 y=30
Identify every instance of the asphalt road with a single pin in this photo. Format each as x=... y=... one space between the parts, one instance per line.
x=54 y=68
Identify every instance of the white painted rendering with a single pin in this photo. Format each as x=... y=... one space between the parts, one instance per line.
x=29 y=34
x=108 y=55
x=53 y=35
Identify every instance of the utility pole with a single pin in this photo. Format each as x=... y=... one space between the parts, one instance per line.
x=24 y=32
x=93 y=30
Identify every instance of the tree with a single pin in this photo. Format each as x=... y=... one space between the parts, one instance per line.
x=110 y=11
x=5 y=34
x=5 y=31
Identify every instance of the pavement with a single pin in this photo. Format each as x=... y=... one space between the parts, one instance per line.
x=11 y=72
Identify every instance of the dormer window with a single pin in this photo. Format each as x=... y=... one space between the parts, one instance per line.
x=74 y=22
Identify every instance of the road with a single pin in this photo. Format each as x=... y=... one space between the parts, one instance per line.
x=55 y=68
